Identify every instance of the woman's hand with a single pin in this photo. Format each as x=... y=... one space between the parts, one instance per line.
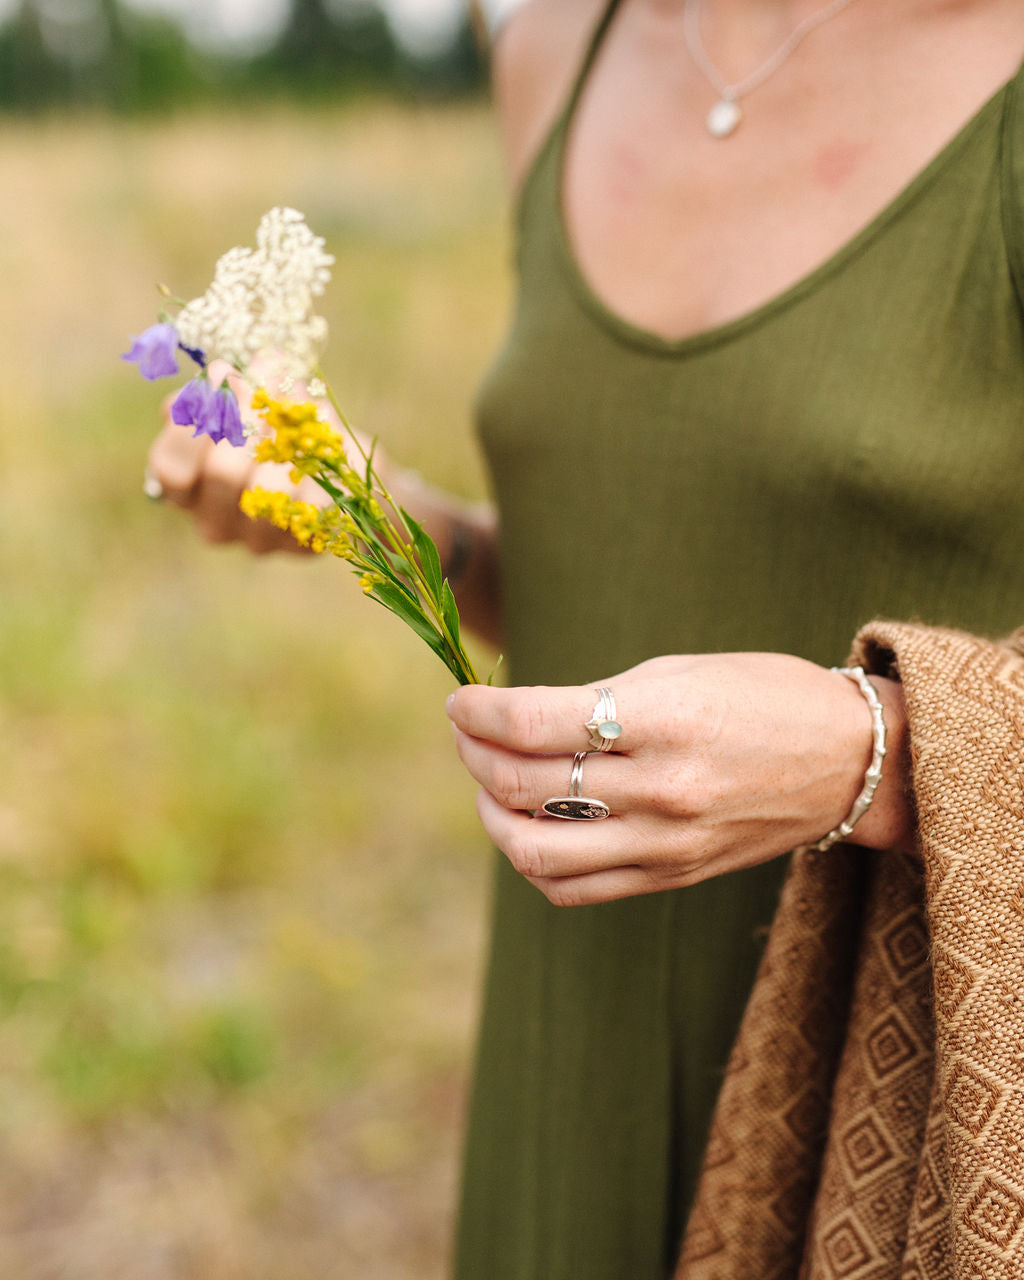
x=206 y=480
x=725 y=761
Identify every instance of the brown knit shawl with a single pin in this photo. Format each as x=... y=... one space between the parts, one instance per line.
x=871 y=1122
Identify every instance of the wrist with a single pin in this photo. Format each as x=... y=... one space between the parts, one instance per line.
x=891 y=822
x=875 y=795
x=864 y=782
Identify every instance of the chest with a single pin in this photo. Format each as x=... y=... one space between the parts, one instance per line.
x=679 y=232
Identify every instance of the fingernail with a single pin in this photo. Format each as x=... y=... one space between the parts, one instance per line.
x=449 y=702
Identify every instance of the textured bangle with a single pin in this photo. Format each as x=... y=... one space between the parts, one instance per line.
x=874 y=773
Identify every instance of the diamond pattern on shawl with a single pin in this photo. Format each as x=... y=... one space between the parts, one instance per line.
x=970 y=1099
x=891 y=1045
x=865 y=1147
x=846 y=1249
x=804 y=1116
x=930 y=1198
x=905 y=945
x=953 y=982
x=719 y=1149
x=995 y=1213
x=1001 y=784
x=702 y=1239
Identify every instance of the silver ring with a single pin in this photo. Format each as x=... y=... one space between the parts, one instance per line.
x=602 y=726
x=576 y=806
x=152 y=487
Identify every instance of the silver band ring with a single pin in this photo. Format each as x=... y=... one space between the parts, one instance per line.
x=576 y=806
x=602 y=726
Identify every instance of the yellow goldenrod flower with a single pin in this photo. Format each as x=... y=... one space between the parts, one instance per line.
x=300 y=437
x=319 y=528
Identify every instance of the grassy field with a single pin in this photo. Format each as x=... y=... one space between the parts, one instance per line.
x=242 y=889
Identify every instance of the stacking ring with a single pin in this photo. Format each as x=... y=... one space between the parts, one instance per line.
x=602 y=725
x=576 y=806
x=152 y=487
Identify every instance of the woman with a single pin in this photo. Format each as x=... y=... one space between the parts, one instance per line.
x=763 y=384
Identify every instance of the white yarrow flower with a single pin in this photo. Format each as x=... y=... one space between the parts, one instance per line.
x=262 y=299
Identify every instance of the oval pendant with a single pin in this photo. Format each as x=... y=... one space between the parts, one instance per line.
x=723 y=118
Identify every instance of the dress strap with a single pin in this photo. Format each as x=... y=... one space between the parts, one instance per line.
x=564 y=116
x=593 y=46
x=1012 y=179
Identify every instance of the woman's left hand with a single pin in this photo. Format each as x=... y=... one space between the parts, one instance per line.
x=725 y=760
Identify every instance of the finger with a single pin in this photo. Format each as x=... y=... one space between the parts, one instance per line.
x=542 y=847
x=219 y=371
x=259 y=535
x=262 y=536
x=276 y=476
x=215 y=503
x=601 y=886
x=176 y=459
x=519 y=781
x=538 y=719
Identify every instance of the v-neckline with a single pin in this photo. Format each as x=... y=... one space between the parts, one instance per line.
x=637 y=334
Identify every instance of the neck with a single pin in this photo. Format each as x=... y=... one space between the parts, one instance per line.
x=740 y=34
x=755 y=11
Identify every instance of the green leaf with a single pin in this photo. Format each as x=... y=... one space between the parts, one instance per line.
x=331 y=489
x=494 y=670
x=397 y=599
x=397 y=568
x=426 y=553
x=450 y=613
x=368 y=530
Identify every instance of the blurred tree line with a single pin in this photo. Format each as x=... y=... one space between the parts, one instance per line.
x=108 y=55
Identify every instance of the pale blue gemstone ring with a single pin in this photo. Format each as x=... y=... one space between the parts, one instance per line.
x=603 y=728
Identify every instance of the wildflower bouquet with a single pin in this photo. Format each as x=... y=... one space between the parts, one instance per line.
x=259 y=312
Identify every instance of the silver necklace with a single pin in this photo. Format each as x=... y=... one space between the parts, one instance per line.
x=725 y=115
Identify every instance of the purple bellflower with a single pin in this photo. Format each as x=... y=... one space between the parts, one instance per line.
x=213 y=413
x=154 y=351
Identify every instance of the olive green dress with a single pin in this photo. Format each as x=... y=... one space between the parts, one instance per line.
x=854 y=448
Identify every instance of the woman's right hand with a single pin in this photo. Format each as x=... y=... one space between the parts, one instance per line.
x=206 y=480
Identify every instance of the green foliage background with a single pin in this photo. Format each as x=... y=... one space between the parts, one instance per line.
x=101 y=53
x=242 y=887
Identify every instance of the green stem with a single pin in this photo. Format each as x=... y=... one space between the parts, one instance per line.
x=402 y=546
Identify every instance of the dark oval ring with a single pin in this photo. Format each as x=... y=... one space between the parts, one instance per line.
x=576 y=808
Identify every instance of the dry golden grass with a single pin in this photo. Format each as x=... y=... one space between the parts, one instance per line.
x=241 y=884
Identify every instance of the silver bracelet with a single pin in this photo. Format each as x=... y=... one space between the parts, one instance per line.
x=874 y=773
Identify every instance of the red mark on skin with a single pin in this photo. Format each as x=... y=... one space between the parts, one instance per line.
x=628 y=173
x=835 y=164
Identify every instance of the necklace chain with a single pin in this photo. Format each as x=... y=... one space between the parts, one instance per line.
x=729 y=93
